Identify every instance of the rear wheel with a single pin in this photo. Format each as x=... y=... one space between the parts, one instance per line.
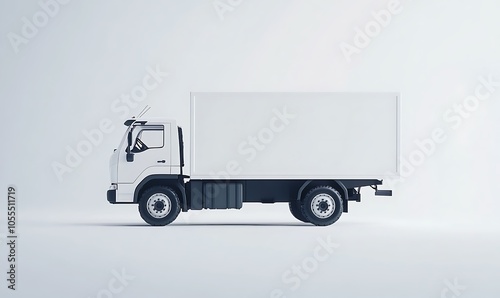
x=159 y=206
x=322 y=206
x=296 y=210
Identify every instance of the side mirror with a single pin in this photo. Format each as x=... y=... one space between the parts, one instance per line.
x=130 y=157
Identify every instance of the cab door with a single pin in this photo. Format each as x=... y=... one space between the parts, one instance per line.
x=149 y=151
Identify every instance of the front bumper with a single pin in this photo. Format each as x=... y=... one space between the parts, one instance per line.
x=112 y=194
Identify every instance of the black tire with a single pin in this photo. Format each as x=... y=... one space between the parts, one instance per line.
x=296 y=210
x=164 y=205
x=327 y=207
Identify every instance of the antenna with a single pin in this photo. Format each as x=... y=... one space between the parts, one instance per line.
x=144 y=111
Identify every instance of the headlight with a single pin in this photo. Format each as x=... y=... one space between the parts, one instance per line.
x=113 y=187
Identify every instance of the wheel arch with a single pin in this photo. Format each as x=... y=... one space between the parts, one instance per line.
x=176 y=182
x=336 y=184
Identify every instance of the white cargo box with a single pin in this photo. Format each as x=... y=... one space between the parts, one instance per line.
x=294 y=135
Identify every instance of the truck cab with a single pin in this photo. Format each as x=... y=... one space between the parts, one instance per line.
x=148 y=148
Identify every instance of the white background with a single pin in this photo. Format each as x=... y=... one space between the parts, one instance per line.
x=441 y=224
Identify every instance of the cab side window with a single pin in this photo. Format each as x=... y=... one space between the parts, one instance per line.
x=149 y=138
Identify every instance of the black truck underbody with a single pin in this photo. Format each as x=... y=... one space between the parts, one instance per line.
x=229 y=194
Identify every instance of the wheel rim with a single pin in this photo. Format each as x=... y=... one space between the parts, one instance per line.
x=323 y=205
x=159 y=205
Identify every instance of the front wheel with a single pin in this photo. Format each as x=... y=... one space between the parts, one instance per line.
x=322 y=206
x=159 y=206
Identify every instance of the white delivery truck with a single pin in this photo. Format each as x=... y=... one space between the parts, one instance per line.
x=313 y=151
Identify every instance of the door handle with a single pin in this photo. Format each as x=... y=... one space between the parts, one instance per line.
x=161 y=161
